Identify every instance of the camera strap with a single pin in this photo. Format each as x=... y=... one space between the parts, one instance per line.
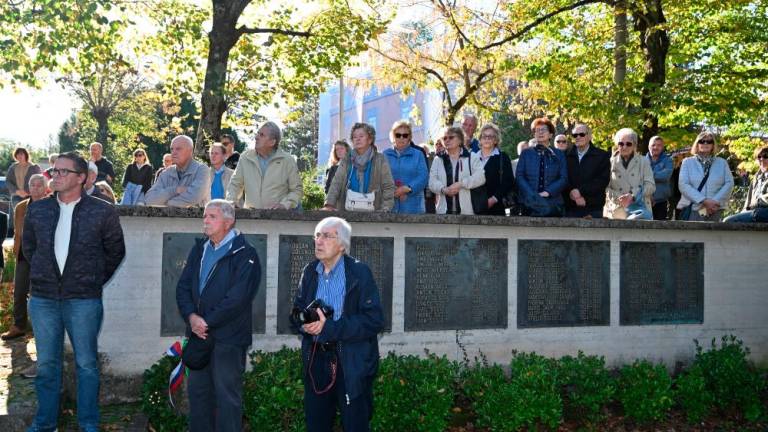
x=334 y=365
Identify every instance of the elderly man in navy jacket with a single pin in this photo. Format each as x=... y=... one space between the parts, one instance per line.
x=340 y=352
x=214 y=296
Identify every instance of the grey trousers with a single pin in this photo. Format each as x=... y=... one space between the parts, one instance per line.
x=216 y=391
x=20 y=293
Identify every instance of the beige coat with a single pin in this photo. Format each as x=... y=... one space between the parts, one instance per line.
x=280 y=184
x=638 y=173
x=381 y=182
x=438 y=179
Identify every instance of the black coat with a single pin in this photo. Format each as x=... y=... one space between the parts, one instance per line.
x=226 y=303
x=3 y=233
x=96 y=248
x=499 y=179
x=141 y=176
x=356 y=332
x=590 y=176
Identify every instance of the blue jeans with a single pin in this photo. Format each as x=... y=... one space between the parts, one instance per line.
x=81 y=318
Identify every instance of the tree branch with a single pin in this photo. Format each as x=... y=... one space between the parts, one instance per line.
x=249 y=30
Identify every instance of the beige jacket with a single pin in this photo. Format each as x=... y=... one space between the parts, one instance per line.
x=381 y=182
x=628 y=180
x=438 y=179
x=280 y=184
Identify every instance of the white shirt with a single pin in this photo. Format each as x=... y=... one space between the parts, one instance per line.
x=582 y=153
x=63 y=233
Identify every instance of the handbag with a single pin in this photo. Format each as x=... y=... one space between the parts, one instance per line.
x=686 y=213
x=358 y=201
x=479 y=195
x=197 y=352
x=509 y=200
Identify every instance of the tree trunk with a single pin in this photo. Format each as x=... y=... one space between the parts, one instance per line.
x=620 y=40
x=102 y=121
x=654 y=42
x=221 y=39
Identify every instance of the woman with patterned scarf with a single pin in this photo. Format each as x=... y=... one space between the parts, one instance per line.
x=705 y=182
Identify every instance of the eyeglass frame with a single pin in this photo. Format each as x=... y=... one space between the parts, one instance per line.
x=58 y=172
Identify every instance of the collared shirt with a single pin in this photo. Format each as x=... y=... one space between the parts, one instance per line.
x=483 y=159
x=580 y=153
x=212 y=254
x=63 y=232
x=332 y=287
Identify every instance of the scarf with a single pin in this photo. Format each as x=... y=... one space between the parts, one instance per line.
x=360 y=166
x=705 y=161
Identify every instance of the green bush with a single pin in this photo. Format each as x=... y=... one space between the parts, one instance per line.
x=586 y=386
x=273 y=391
x=692 y=394
x=731 y=380
x=154 y=397
x=413 y=394
x=314 y=195
x=645 y=391
x=530 y=397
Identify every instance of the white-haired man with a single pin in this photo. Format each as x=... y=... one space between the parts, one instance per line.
x=346 y=285
x=90 y=184
x=469 y=125
x=268 y=176
x=106 y=172
x=185 y=183
x=214 y=296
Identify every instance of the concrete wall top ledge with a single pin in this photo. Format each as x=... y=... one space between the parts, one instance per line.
x=377 y=217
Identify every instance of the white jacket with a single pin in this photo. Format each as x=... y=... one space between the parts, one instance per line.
x=438 y=179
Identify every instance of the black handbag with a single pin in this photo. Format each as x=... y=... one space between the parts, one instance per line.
x=197 y=352
x=479 y=194
x=509 y=200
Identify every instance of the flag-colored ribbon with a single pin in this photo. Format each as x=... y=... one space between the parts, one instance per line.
x=178 y=373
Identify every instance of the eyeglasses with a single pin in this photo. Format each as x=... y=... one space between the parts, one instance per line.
x=325 y=236
x=449 y=137
x=63 y=172
x=579 y=134
x=541 y=130
x=623 y=144
x=706 y=141
x=561 y=141
x=402 y=135
x=486 y=136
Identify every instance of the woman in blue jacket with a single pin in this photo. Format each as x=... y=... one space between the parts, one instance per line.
x=542 y=174
x=409 y=170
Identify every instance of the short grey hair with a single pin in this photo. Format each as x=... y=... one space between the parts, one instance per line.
x=654 y=138
x=471 y=116
x=97 y=144
x=368 y=129
x=343 y=230
x=226 y=207
x=185 y=138
x=36 y=177
x=626 y=131
x=92 y=167
x=274 y=131
x=495 y=129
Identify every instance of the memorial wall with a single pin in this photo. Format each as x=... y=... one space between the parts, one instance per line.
x=621 y=289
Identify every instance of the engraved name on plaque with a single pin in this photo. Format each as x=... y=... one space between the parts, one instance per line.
x=176 y=247
x=661 y=283
x=455 y=284
x=297 y=251
x=563 y=283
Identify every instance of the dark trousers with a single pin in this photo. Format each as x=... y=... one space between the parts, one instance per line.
x=320 y=410
x=660 y=211
x=20 y=293
x=216 y=391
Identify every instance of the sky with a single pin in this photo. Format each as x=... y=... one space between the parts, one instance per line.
x=30 y=117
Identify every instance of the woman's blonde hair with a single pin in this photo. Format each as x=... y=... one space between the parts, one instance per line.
x=705 y=134
x=141 y=151
x=397 y=125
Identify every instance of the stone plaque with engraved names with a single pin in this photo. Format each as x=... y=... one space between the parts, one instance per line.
x=661 y=283
x=297 y=251
x=176 y=248
x=563 y=283
x=455 y=284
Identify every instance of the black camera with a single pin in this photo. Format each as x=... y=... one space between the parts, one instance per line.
x=309 y=313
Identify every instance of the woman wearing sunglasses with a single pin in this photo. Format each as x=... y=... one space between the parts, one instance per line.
x=631 y=187
x=409 y=169
x=705 y=182
x=756 y=205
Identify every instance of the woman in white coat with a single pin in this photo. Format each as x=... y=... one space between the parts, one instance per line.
x=630 y=191
x=454 y=174
x=704 y=201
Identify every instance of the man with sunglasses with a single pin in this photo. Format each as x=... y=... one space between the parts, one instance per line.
x=589 y=171
x=74 y=244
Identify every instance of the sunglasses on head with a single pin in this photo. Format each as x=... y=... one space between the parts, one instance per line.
x=624 y=144
x=706 y=141
x=579 y=134
x=402 y=135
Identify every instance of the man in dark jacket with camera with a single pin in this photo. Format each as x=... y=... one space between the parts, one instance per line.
x=340 y=353
x=215 y=295
x=74 y=244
